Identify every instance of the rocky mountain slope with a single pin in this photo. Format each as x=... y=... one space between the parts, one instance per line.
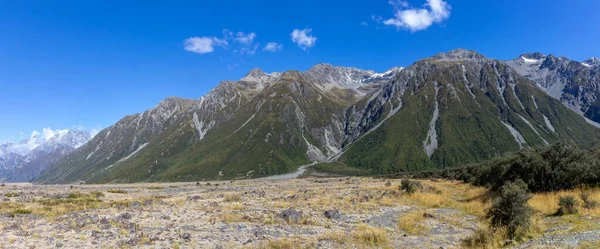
x=454 y=108
x=461 y=107
x=576 y=84
x=24 y=161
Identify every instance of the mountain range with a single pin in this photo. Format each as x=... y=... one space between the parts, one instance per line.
x=24 y=161
x=451 y=109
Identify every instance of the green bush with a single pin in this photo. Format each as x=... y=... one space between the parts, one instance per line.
x=545 y=169
x=410 y=186
x=510 y=210
x=567 y=205
x=588 y=203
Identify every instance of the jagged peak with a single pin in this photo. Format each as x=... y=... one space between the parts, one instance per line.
x=459 y=54
x=533 y=56
x=329 y=68
x=593 y=61
x=259 y=76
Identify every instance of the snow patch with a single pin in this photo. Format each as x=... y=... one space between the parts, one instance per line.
x=534 y=102
x=516 y=134
x=549 y=124
x=586 y=65
x=531 y=61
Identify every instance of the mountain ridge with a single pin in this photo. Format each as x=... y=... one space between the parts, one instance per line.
x=265 y=124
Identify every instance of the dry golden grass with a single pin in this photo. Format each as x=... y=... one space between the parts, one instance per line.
x=234 y=197
x=547 y=203
x=461 y=196
x=369 y=235
x=589 y=244
x=336 y=236
x=413 y=223
x=232 y=217
x=280 y=244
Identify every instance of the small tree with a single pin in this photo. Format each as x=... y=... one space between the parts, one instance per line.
x=567 y=205
x=588 y=203
x=410 y=186
x=510 y=210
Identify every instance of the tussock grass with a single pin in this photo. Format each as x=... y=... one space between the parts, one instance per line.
x=336 y=236
x=117 y=191
x=235 y=197
x=369 y=235
x=547 y=203
x=413 y=223
x=232 y=218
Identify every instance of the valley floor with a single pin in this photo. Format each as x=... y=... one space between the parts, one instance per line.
x=291 y=213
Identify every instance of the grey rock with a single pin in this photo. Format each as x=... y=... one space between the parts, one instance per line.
x=333 y=214
x=131 y=227
x=186 y=237
x=291 y=215
x=135 y=204
x=126 y=216
x=96 y=234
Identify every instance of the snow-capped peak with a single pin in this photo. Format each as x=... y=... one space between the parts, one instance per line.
x=389 y=74
x=591 y=62
x=532 y=61
x=64 y=137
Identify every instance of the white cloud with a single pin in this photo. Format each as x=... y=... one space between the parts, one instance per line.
x=273 y=47
x=303 y=38
x=203 y=45
x=245 y=38
x=435 y=11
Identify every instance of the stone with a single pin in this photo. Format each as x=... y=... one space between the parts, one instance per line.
x=131 y=227
x=96 y=234
x=126 y=216
x=135 y=204
x=291 y=215
x=333 y=214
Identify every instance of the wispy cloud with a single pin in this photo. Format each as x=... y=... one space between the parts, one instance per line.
x=303 y=38
x=417 y=19
x=273 y=47
x=248 y=50
x=244 y=38
x=203 y=45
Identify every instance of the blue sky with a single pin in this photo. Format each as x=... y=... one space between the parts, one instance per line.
x=66 y=64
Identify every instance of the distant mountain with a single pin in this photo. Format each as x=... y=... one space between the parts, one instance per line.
x=575 y=84
x=24 y=161
x=453 y=108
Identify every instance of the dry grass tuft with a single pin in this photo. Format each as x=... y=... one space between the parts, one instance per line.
x=547 y=203
x=413 y=223
x=232 y=198
x=369 y=235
